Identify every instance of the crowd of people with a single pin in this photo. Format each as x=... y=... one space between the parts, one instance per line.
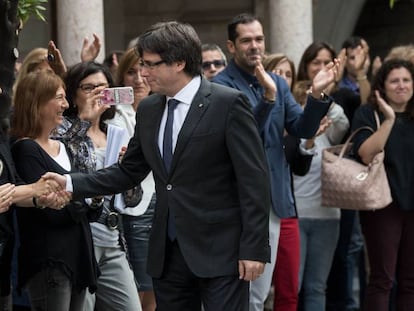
x=205 y=192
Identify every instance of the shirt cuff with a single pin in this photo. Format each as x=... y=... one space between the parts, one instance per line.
x=304 y=151
x=69 y=185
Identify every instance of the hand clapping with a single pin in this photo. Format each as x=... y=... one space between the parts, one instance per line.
x=325 y=77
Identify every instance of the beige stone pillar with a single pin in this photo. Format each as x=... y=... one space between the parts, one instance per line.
x=290 y=27
x=77 y=19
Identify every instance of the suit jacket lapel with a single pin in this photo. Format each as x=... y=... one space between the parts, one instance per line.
x=198 y=107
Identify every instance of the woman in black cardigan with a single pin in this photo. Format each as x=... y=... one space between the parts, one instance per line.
x=55 y=260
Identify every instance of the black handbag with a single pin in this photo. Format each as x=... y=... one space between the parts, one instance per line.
x=133 y=196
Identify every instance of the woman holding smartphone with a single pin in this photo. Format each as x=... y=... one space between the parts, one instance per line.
x=137 y=219
x=87 y=135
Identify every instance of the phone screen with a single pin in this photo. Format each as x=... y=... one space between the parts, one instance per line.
x=118 y=96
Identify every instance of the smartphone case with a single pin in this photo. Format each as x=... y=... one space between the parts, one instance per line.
x=118 y=96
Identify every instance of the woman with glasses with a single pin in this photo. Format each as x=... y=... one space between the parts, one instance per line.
x=137 y=216
x=85 y=132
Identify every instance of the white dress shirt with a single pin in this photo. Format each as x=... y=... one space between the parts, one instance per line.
x=185 y=96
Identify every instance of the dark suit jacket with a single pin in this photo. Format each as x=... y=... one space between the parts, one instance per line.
x=6 y=220
x=217 y=188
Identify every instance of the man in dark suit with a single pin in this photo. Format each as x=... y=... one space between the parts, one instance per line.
x=210 y=230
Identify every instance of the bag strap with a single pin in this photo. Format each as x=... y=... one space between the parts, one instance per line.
x=377 y=120
x=347 y=142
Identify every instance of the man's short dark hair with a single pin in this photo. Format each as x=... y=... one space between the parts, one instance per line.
x=174 y=42
x=243 y=18
x=352 y=42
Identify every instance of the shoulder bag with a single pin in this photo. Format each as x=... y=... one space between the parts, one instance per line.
x=349 y=184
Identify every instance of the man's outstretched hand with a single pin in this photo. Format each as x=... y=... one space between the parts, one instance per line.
x=59 y=179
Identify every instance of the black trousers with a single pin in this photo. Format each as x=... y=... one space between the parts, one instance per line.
x=180 y=290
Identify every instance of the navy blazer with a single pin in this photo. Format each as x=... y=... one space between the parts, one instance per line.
x=272 y=119
x=217 y=186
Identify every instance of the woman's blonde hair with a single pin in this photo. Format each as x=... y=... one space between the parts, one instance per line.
x=31 y=62
x=272 y=60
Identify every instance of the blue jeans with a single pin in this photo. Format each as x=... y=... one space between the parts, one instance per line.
x=51 y=289
x=318 y=238
x=136 y=232
x=349 y=255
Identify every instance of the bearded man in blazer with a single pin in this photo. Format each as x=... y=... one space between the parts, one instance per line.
x=216 y=192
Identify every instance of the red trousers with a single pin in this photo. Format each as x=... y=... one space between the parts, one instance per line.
x=286 y=273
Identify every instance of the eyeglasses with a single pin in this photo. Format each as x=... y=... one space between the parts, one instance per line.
x=217 y=63
x=149 y=65
x=89 y=87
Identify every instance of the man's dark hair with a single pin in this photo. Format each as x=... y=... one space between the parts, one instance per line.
x=244 y=18
x=352 y=42
x=174 y=42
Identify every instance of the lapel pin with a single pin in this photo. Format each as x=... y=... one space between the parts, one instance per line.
x=200 y=105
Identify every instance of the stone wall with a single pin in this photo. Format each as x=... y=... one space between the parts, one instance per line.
x=333 y=21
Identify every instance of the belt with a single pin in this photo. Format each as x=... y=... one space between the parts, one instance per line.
x=112 y=220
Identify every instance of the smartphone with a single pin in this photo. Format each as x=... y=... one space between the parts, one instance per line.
x=118 y=96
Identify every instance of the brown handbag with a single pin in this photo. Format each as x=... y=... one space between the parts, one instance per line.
x=349 y=184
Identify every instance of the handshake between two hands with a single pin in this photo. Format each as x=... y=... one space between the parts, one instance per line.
x=50 y=191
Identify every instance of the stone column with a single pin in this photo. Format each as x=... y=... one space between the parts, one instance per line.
x=77 y=19
x=290 y=27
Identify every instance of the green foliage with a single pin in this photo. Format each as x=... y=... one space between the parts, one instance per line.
x=27 y=8
x=392 y=3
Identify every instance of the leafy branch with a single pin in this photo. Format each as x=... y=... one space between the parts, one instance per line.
x=27 y=8
x=392 y=3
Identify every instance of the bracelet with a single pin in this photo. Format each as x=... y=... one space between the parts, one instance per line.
x=34 y=200
x=323 y=96
x=362 y=78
